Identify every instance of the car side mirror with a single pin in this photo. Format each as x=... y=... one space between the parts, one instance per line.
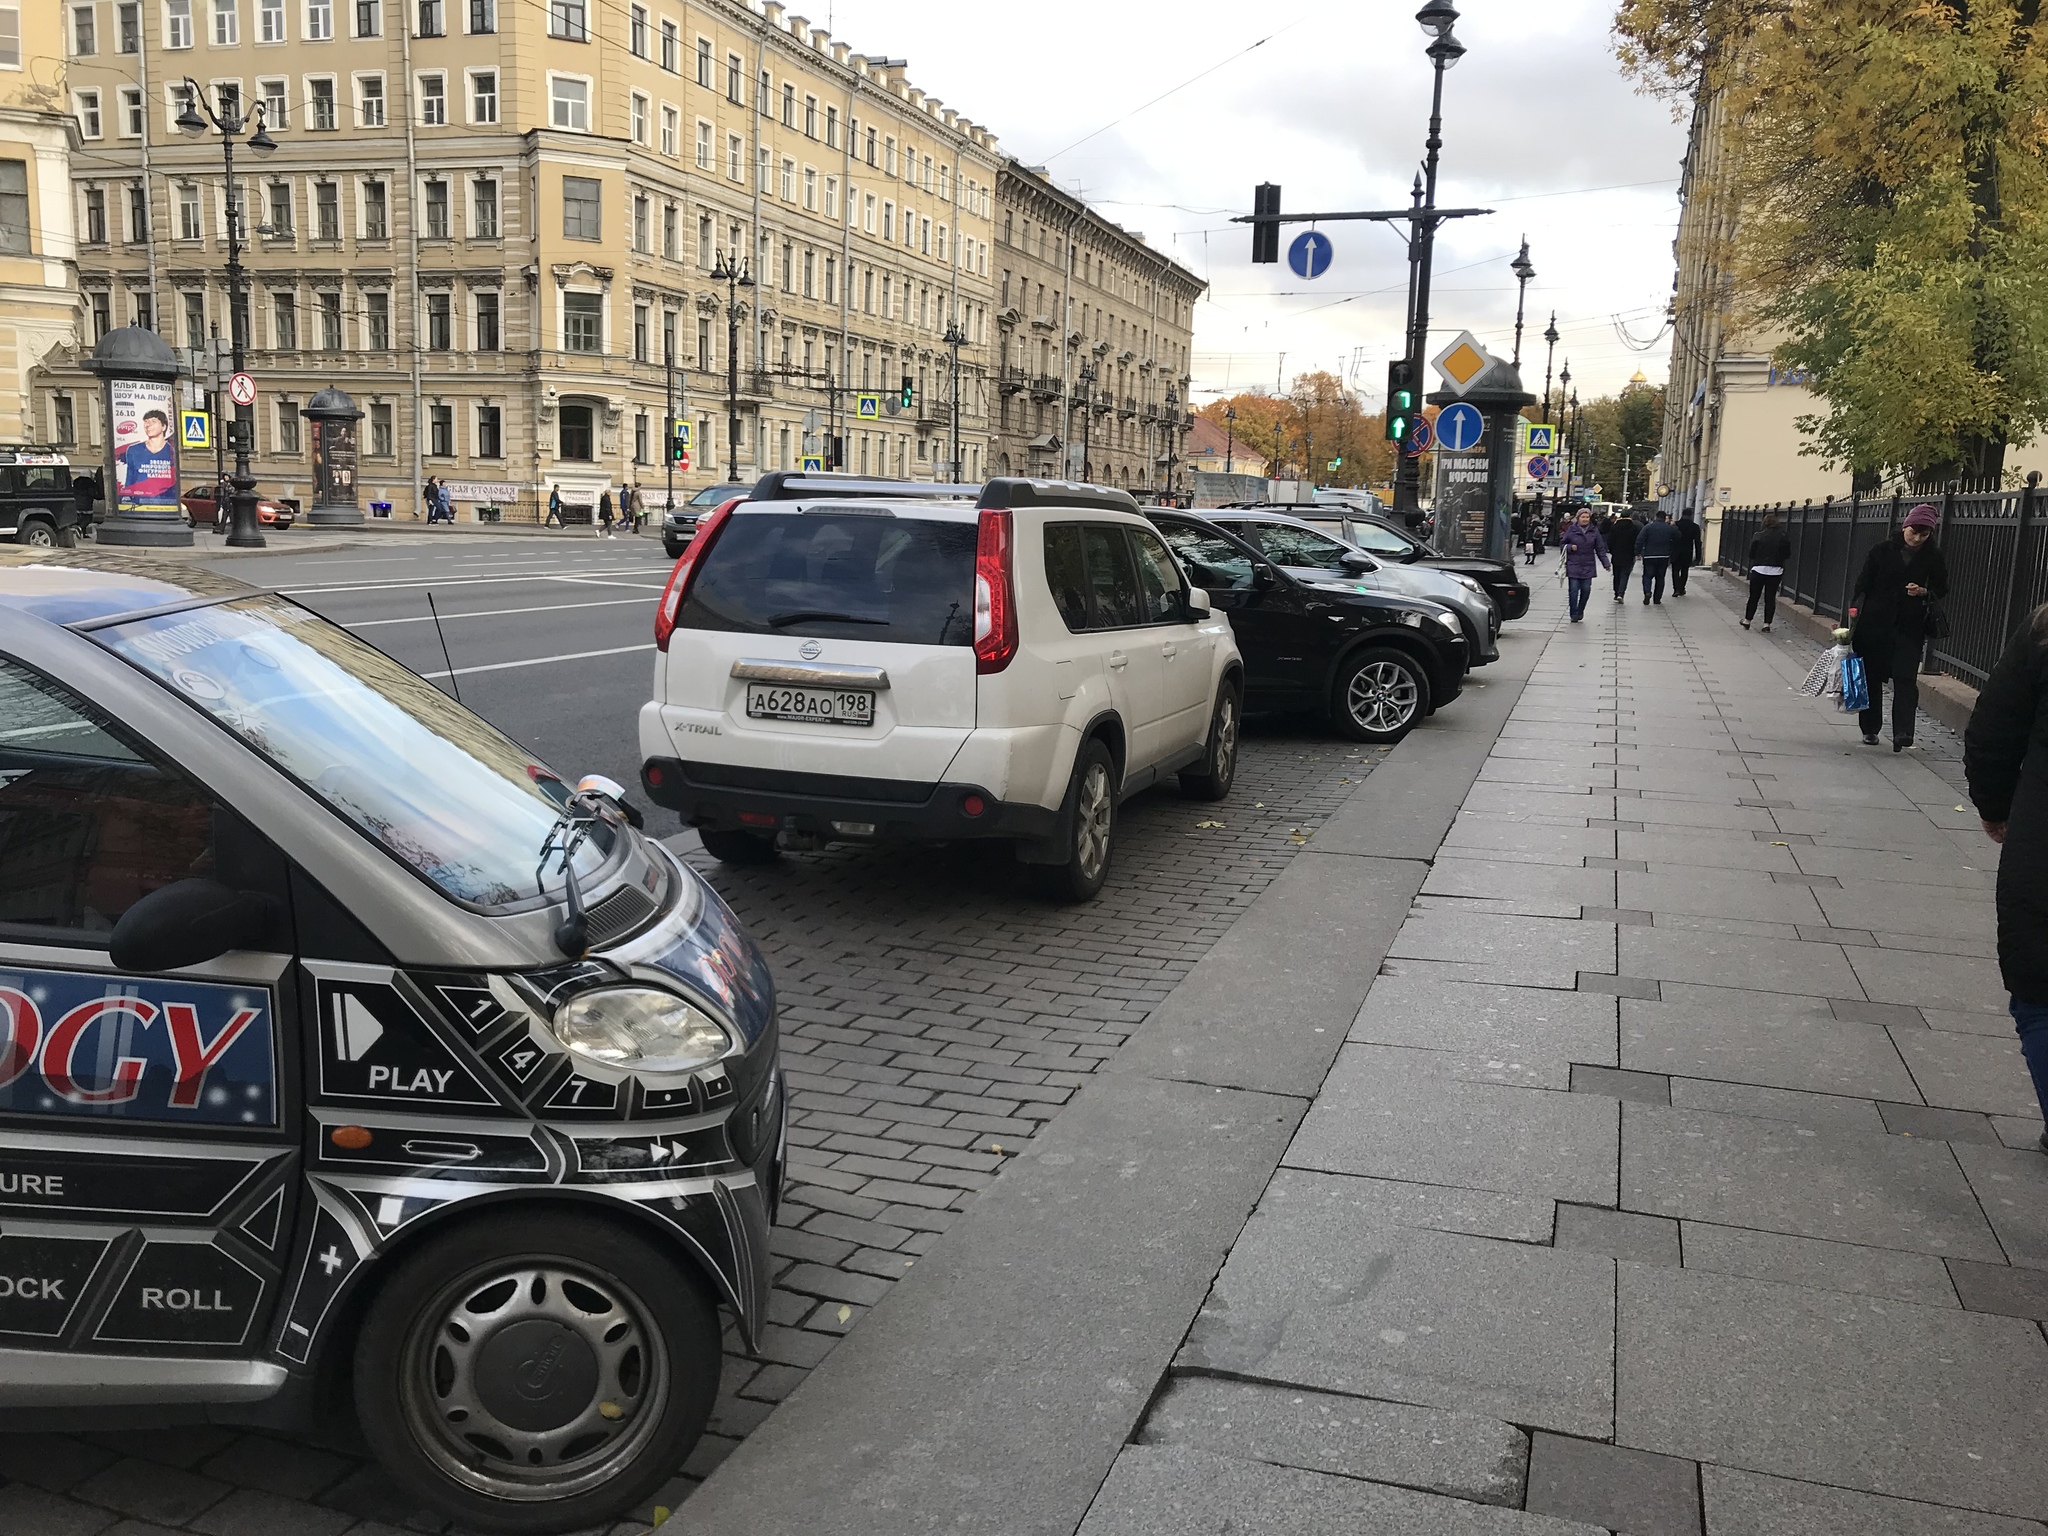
x=1357 y=562
x=1265 y=577
x=191 y=921
x=1197 y=603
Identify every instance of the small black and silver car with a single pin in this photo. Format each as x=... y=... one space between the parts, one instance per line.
x=347 y=1050
x=679 y=523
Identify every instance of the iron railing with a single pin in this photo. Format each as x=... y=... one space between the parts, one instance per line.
x=1994 y=541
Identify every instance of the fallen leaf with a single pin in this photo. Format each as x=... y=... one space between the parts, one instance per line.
x=845 y=1314
x=1781 y=845
x=1208 y=823
x=1959 y=807
x=661 y=1514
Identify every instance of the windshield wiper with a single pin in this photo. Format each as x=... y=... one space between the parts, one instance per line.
x=822 y=616
x=566 y=837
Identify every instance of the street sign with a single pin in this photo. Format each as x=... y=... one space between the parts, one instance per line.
x=1539 y=467
x=195 y=429
x=893 y=404
x=1421 y=436
x=683 y=431
x=813 y=464
x=1459 y=427
x=1334 y=464
x=1542 y=438
x=683 y=463
x=868 y=407
x=1310 y=254
x=1461 y=363
x=242 y=389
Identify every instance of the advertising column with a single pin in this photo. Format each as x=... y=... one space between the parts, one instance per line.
x=333 y=416
x=137 y=369
x=1478 y=437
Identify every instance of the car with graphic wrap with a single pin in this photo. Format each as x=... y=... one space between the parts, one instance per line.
x=349 y=1056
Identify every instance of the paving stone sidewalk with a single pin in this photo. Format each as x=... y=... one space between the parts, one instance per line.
x=1679 y=1173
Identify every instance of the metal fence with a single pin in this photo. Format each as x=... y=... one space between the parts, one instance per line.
x=1995 y=542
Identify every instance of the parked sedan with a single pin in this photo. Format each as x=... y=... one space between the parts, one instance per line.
x=201 y=508
x=679 y=524
x=1374 y=663
x=1384 y=539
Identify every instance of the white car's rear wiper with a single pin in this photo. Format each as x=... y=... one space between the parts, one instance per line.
x=822 y=616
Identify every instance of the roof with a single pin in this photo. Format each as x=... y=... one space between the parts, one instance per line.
x=74 y=586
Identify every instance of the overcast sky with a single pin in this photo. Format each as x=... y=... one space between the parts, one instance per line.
x=1335 y=108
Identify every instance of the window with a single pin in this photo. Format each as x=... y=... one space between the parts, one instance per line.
x=434 y=101
x=369 y=18
x=732 y=80
x=369 y=101
x=433 y=18
x=789 y=181
x=280 y=210
x=438 y=327
x=487 y=324
x=867 y=212
x=705 y=248
x=577 y=437
x=735 y=150
x=131 y=112
x=64 y=423
x=569 y=103
x=671 y=231
x=639 y=333
x=227 y=23
x=483 y=96
x=88 y=823
x=703 y=146
x=831 y=279
x=270 y=25
x=762 y=175
x=889 y=155
x=228 y=95
x=490 y=432
x=669 y=47
x=832 y=199
x=377 y=322
x=284 y=321
x=441 y=431
x=327 y=210
x=483 y=16
x=376 y=217
x=641 y=222
x=811 y=188
x=1094 y=584
x=810 y=275
x=888 y=221
x=319 y=28
x=330 y=321
x=670 y=132
x=871 y=146
x=84 y=32
x=177 y=23
x=128 y=16
x=95 y=216
x=705 y=359
x=566 y=19
x=1159 y=580
x=195 y=319
x=810 y=117
x=636 y=118
x=189 y=227
x=636 y=31
x=102 y=313
x=641 y=436
x=582 y=322
x=320 y=102
x=581 y=208
x=277 y=110
x=88 y=107
x=668 y=335
x=788 y=105
x=434 y=209
x=764 y=93
x=704 y=62
x=1284 y=544
x=138 y=214
x=831 y=127
x=483 y=208
x=380 y=431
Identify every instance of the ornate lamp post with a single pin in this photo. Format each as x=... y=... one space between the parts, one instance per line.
x=233 y=123
x=1172 y=434
x=1549 y=353
x=1523 y=271
x=1087 y=381
x=735 y=277
x=1229 y=437
x=956 y=339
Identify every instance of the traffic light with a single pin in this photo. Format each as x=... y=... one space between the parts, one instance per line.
x=1266 y=237
x=1400 y=399
x=678 y=450
x=908 y=393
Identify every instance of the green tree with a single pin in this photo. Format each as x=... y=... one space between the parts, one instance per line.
x=1316 y=421
x=1887 y=164
x=1620 y=432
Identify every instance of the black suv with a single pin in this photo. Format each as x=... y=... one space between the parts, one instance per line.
x=39 y=503
x=1374 y=663
x=1383 y=537
x=679 y=524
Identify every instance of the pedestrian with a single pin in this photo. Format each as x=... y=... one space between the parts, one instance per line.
x=444 y=499
x=629 y=508
x=604 y=513
x=427 y=502
x=555 y=507
x=1621 y=544
x=1582 y=546
x=1768 y=552
x=1900 y=578
x=1532 y=538
x=2005 y=760
x=1653 y=547
x=1686 y=550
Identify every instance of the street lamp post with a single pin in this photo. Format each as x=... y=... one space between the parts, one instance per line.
x=1087 y=381
x=1437 y=18
x=733 y=273
x=1172 y=435
x=956 y=339
x=1564 y=381
x=1229 y=438
x=230 y=123
x=1549 y=354
x=1523 y=271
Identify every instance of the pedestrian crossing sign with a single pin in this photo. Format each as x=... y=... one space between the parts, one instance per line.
x=1542 y=438
x=813 y=463
x=195 y=429
x=868 y=407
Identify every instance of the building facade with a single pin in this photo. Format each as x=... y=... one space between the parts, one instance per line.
x=496 y=222
x=1094 y=337
x=39 y=310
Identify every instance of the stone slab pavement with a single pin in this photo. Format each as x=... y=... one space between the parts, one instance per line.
x=1674 y=1171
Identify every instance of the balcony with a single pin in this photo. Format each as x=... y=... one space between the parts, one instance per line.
x=1012 y=379
x=1105 y=402
x=1128 y=408
x=1046 y=386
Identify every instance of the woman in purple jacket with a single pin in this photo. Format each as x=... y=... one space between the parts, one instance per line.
x=1583 y=545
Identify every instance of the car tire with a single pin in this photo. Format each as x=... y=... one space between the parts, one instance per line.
x=1381 y=694
x=1089 y=818
x=37 y=533
x=672 y=549
x=733 y=845
x=445 y=1365
x=1212 y=778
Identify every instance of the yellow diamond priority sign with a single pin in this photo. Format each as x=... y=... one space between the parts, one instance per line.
x=1462 y=362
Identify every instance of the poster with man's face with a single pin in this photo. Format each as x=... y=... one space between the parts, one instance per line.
x=145 y=454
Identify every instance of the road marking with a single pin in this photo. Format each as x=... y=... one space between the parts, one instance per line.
x=494 y=613
x=540 y=661
x=443 y=581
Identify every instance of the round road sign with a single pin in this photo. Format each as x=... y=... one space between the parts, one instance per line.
x=1459 y=427
x=242 y=389
x=1539 y=467
x=1309 y=255
x=1421 y=436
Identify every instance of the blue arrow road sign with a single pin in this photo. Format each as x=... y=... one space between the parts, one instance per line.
x=1310 y=254
x=1459 y=427
x=1539 y=467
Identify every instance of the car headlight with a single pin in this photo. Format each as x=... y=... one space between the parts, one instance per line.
x=1469 y=584
x=1445 y=622
x=640 y=1029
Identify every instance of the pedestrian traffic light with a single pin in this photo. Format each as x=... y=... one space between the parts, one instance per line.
x=1265 y=236
x=1400 y=399
x=908 y=394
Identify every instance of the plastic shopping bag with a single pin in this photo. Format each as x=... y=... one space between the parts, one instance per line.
x=1855 y=686
x=1824 y=677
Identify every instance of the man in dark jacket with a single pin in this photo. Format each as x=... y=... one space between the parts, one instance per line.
x=1900 y=577
x=1653 y=547
x=1685 y=550
x=1621 y=544
x=2005 y=756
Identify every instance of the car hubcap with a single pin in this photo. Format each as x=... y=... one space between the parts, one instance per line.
x=1091 y=822
x=533 y=1381
x=1383 y=696
x=41 y=538
x=1226 y=740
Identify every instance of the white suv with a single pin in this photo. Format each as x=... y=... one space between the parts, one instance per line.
x=843 y=660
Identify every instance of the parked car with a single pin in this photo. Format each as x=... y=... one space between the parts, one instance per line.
x=350 y=1050
x=38 y=500
x=1386 y=540
x=1375 y=664
x=1314 y=554
x=843 y=660
x=679 y=524
x=201 y=507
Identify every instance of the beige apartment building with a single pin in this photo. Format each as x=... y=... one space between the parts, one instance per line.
x=38 y=269
x=1094 y=336
x=492 y=222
